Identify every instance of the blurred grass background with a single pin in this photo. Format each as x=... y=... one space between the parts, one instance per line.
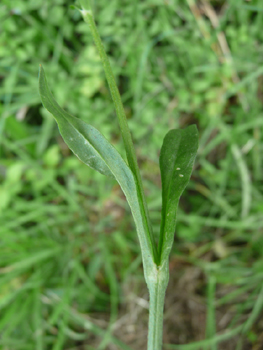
x=70 y=265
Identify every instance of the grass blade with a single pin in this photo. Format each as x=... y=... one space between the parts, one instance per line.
x=199 y=345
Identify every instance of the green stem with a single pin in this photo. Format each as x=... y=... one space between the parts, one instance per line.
x=156 y=276
x=157 y=290
x=125 y=131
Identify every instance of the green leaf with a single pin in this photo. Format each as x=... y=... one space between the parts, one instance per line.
x=94 y=150
x=80 y=137
x=176 y=163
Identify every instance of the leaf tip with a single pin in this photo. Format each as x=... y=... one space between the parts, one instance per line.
x=194 y=126
x=40 y=70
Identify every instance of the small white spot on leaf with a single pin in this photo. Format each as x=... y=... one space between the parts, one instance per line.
x=178 y=168
x=181 y=175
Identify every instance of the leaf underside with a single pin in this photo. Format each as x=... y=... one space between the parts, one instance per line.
x=92 y=148
x=176 y=163
x=80 y=137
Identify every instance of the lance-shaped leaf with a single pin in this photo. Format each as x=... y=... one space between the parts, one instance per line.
x=94 y=150
x=80 y=137
x=176 y=163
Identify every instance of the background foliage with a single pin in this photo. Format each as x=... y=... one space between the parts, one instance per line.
x=70 y=267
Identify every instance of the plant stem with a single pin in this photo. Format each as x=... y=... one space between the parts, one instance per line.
x=125 y=131
x=157 y=290
x=156 y=276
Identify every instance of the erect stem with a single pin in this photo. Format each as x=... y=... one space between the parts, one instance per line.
x=156 y=276
x=157 y=290
x=125 y=131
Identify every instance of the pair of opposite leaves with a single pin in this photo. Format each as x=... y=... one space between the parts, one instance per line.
x=90 y=146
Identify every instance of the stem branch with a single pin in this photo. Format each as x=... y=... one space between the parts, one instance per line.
x=125 y=131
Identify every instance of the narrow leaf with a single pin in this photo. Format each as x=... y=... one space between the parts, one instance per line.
x=125 y=131
x=176 y=163
x=94 y=150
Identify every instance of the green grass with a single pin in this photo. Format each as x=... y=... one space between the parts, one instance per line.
x=64 y=229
